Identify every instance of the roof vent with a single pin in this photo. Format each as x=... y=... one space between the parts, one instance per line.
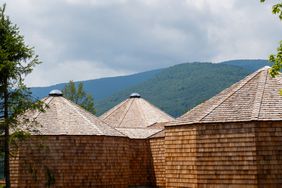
x=55 y=92
x=135 y=95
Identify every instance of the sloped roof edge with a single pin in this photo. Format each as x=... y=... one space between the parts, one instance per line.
x=264 y=90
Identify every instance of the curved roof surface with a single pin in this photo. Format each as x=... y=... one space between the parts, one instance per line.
x=256 y=97
x=134 y=113
x=63 y=117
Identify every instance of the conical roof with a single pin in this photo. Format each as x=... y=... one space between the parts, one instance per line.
x=134 y=112
x=256 y=97
x=63 y=117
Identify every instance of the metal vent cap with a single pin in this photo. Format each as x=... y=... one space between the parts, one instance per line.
x=56 y=92
x=135 y=95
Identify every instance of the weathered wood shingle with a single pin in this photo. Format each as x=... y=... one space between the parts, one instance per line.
x=63 y=117
x=135 y=117
x=254 y=98
x=134 y=112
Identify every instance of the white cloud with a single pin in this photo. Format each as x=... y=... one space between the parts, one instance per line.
x=70 y=70
x=138 y=35
x=96 y=2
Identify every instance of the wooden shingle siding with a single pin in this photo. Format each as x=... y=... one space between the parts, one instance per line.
x=158 y=158
x=226 y=154
x=232 y=140
x=81 y=161
x=140 y=163
x=269 y=153
x=180 y=157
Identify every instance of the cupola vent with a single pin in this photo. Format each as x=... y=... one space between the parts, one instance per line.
x=55 y=93
x=135 y=95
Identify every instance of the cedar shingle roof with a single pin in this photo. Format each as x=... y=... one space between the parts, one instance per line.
x=134 y=113
x=63 y=117
x=139 y=133
x=160 y=134
x=256 y=97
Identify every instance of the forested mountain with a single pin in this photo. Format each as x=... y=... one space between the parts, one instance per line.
x=251 y=65
x=179 y=88
x=101 y=88
x=174 y=89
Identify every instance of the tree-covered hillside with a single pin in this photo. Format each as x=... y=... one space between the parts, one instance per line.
x=175 y=89
x=103 y=87
x=251 y=65
x=179 y=88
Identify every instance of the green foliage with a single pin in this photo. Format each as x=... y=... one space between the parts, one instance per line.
x=79 y=96
x=102 y=87
x=276 y=9
x=13 y=52
x=123 y=86
x=16 y=61
x=180 y=88
x=276 y=59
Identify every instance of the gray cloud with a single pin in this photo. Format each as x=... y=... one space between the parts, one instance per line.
x=94 y=38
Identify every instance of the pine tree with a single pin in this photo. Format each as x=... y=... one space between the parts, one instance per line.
x=16 y=61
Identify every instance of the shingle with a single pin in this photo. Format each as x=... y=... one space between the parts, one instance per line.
x=134 y=113
x=256 y=97
x=139 y=133
x=160 y=134
x=63 y=117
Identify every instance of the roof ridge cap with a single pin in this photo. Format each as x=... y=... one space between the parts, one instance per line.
x=264 y=68
x=141 y=110
x=46 y=102
x=115 y=108
x=241 y=84
x=35 y=116
x=259 y=94
x=129 y=106
x=156 y=134
x=85 y=118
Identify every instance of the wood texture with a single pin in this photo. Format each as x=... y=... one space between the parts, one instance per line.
x=180 y=157
x=255 y=97
x=158 y=160
x=269 y=154
x=82 y=161
x=134 y=113
x=224 y=154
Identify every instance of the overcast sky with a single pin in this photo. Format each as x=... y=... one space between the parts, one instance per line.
x=87 y=39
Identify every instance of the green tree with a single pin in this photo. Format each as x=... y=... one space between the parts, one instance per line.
x=79 y=96
x=276 y=59
x=16 y=61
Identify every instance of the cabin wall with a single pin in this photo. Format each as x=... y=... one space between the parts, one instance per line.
x=140 y=163
x=269 y=153
x=81 y=161
x=247 y=154
x=158 y=159
x=214 y=155
x=199 y=155
x=226 y=155
x=180 y=157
